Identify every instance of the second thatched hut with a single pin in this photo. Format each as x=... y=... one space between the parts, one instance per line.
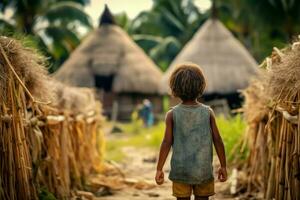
x=110 y=61
x=226 y=63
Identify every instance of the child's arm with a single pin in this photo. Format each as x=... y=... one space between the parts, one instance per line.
x=219 y=146
x=164 y=148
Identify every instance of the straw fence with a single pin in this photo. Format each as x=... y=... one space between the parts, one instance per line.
x=272 y=112
x=50 y=134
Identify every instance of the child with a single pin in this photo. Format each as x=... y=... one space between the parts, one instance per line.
x=191 y=130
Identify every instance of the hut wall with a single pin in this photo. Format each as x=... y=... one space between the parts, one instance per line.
x=107 y=99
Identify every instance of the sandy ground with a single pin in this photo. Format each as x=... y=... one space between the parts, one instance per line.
x=140 y=165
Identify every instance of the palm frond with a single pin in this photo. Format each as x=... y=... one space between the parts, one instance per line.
x=167 y=45
x=63 y=36
x=4 y=4
x=82 y=2
x=147 y=42
x=68 y=12
x=6 y=27
x=173 y=20
x=123 y=20
x=152 y=38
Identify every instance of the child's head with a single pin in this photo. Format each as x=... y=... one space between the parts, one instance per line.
x=187 y=82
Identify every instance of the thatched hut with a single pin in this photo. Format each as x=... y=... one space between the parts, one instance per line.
x=110 y=61
x=226 y=63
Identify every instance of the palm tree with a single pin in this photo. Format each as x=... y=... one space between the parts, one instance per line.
x=271 y=22
x=281 y=15
x=164 y=29
x=53 y=23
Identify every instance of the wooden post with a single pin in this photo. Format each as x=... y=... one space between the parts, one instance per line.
x=114 y=111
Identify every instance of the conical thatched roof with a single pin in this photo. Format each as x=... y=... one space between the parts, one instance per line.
x=107 y=51
x=227 y=65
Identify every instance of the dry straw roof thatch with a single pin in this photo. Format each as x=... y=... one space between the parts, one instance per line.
x=227 y=65
x=108 y=50
x=53 y=146
x=273 y=133
x=28 y=64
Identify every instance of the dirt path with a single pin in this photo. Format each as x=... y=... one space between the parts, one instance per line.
x=140 y=165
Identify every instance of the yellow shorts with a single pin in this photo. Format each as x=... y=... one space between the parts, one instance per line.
x=186 y=190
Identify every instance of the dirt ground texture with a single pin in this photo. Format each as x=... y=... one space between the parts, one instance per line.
x=140 y=165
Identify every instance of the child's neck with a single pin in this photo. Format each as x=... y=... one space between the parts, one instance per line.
x=190 y=102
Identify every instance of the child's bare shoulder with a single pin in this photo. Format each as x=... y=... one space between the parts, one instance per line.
x=169 y=114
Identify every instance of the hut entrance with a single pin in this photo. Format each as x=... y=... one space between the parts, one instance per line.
x=104 y=82
x=104 y=91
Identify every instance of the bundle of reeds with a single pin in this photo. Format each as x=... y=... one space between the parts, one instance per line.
x=50 y=134
x=272 y=112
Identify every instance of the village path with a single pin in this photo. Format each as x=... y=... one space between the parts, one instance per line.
x=140 y=164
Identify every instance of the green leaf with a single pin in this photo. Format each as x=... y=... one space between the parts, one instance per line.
x=82 y=2
x=147 y=42
x=123 y=20
x=67 y=12
x=172 y=19
x=6 y=27
x=152 y=38
x=163 y=46
x=4 y=4
x=62 y=35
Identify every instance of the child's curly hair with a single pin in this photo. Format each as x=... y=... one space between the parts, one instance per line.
x=187 y=82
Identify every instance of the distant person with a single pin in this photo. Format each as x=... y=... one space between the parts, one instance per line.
x=191 y=131
x=146 y=113
x=139 y=110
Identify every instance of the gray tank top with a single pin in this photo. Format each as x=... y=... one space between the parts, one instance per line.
x=191 y=161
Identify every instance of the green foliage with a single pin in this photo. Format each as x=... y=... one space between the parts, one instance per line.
x=261 y=24
x=53 y=23
x=166 y=103
x=44 y=194
x=123 y=20
x=136 y=125
x=113 y=151
x=66 y=12
x=231 y=130
x=5 y=25
x=163 y=30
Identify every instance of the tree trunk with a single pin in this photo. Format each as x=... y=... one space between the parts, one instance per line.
x=27 y=22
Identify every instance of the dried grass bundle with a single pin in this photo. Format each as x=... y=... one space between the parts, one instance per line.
x=272 y=112
x=27 y=63
x=15 y=159
x=54 y=146
x=75 y=100
x=255 y=105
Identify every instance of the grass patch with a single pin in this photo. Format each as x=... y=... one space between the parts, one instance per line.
x=141 y=137
x=231 y=130
x=136 y=135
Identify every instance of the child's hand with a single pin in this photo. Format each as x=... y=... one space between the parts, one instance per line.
x=159 y=178
x=222 y=174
